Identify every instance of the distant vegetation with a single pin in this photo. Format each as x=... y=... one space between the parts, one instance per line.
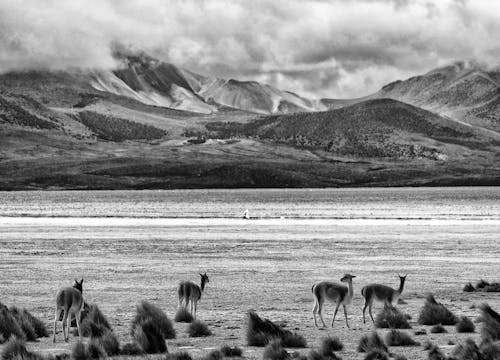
x=116 y=129
x=367 y=129
x=17 y=115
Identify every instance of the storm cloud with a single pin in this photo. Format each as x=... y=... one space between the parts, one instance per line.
x=319 y=48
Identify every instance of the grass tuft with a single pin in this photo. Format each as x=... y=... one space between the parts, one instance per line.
x=399 y=338
x=231 y=351
x=466 y=351
x=182 y=355
x=377 y=355
x=400 y=357
x=95 y=349
x=9 y=325
x=490 y=330
x=15 y=349
x=38 y=325
x=261 y=331
x=490 y=350
x=79 y=351
x=275 y=351
x=391 y=318
x=469 y=288
x=434 y=313
x=132 y=349
x=371 y=342
x=149 y=336
x=214 y=355
x=110 y=343
x=435 y=353
x=24 y=323
x=438 y=329
x=465 y=325
x=329 y=345
x=481 y=284
x=150 y=312
x=293 y=340
x=198 y=329
x=315 y=355
x=93 y=323
x=183 y=315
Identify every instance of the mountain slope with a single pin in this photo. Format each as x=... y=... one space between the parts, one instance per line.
x=374 y=128
x=464 y=91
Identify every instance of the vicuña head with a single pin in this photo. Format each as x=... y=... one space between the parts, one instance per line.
x=204 y=280
x=334 y=292
x=190 y=293
x=69 y=302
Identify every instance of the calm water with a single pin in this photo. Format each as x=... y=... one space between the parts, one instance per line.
x=401 y=203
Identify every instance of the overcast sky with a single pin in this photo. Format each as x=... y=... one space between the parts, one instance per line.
x=318 y=48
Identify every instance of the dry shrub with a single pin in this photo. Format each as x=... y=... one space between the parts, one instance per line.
x=79 y=351
x=491 y=323
x=466 y=351
x=261 y=331
x=214 y=355
x=231 y=351
x=275 y=351
x=465 y=325
x=399 y=338
x=438 y=329
x=38 y=325
x=371 y=342
x=469 y=288
x=329 y=345
x=132 y=349
x=24 y=323
x=95 y=349
x=377 y=355
x=182 y=355
x=315 y=355
x=198 y=329
x=435 y=353
x=183 y=315
x=391 y=318
x=293 y=340
x=481 y=284
x=15 y=349
x=93 y=323
x=110 y=343
x=146 y=311
x=490 y=350
x=420 y=332
x=434 y=313
x=9 y=325
x=400 y=357
x=149 y=337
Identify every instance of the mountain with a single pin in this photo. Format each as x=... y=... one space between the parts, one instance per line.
x=464 y=91
x=149 y=124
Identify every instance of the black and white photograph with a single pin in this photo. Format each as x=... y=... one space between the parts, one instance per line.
x=250 y=179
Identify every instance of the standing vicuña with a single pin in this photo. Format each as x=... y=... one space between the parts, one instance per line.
x=334 y=292
x=190 y=293
x=69 y=300
x=382 y=293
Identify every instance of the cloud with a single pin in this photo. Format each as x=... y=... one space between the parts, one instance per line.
x=319 y=48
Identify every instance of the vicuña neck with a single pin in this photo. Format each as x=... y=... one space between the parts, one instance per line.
x=202 y=286
x=401 y=286
x=351 y=291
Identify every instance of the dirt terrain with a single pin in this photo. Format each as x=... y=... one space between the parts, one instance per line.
x=264 y=265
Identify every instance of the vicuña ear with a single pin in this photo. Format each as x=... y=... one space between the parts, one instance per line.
x=81 y=281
